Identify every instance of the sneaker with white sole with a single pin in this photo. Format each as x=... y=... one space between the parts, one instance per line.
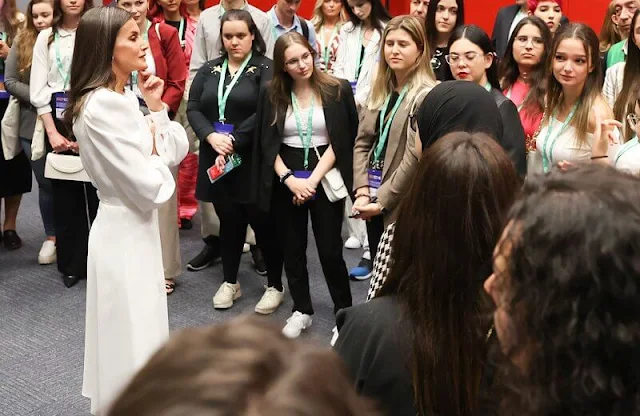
x=270 y=301
x=352 y=243
x=225 y=296
x=47 y=254
x=296 y=323
x=362 y=271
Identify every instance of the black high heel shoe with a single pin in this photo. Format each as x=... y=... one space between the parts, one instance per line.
x=70 y=281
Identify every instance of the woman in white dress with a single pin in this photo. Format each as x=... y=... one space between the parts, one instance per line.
x=574 y=102
x=127 y=159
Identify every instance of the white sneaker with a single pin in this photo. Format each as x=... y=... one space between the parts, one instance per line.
x=352 y=243
x=245 y=248
x=47 y=253
x=226 y=295
x=270 y=301
x=296 y=323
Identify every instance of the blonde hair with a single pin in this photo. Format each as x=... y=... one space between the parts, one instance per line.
x=318 y=18
x=420 y=74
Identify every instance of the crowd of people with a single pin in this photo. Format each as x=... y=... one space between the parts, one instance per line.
x=489 y=180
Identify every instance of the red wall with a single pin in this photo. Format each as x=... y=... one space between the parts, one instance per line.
x=480 y=12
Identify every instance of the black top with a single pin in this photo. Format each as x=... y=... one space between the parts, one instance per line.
x=380 y=164
x=375 y=343
x=176 y=24
x=202 y=111
x=440 y=66
x=341 y=118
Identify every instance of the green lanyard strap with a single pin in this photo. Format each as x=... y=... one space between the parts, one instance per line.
x=325 y=51
x=305 y=136
x=66 y=75
x=625 y=148
x=385 y=126
x=223 y=94
x=547 y=149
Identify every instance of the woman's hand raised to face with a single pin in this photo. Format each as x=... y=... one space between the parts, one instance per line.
x=151 y=88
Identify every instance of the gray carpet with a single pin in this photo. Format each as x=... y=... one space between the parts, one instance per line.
x=42 y=322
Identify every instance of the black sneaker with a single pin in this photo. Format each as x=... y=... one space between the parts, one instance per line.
x=206 y=258
x=258 y=261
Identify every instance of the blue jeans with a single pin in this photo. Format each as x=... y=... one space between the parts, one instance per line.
x=45 y=193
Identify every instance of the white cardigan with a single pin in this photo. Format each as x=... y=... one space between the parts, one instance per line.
x=347 y=60
x=613 y=83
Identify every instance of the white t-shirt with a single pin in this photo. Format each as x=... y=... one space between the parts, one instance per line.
x=628 y=157
x=319 y=137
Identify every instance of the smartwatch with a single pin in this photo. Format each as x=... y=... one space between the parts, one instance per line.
x=285 y=176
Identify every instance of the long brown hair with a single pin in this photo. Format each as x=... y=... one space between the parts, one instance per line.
x=447 y=228
x=626 y=101
x=591 y=90
x=58 y=13
x=609 y=34
x=95 y=40
x=282 y=83
x=10 y=20
x=28 y=38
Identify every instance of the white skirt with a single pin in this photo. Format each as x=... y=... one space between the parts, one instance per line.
x=127 y=318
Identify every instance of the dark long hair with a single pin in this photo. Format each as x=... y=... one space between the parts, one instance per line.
x=430 y=22
x=258 y=46
x=445 y=234
x=282 y=83
x=378 y=16
x=570 y=290
x=95 y=40
x=155 y=13
x=479 y=37
x=58 y=13
x=509 y=70
x=626 y=102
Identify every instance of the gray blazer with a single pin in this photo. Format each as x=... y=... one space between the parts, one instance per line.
x=18 y=86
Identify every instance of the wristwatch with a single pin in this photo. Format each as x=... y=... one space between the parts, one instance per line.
x=285 y=176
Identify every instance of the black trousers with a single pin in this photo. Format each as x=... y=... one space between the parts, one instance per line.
x=234 y=219
x=326 y=222
x=75 y=205
x=375 y=229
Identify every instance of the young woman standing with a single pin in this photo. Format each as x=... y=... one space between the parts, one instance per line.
x=574 y=101
x=222 y=104
x=17 y=76
x=128 y=161
x=523 y=73
x=17 y=168
x=74 y=203
x=307 y=121
x=327 y=21
x=472 y=58
x=550 y=11
x=384 y=155
x=443 y=17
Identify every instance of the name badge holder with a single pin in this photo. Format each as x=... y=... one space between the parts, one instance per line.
x=61 y=100
x=374 y=177
x=353 y=86
x=232 y=161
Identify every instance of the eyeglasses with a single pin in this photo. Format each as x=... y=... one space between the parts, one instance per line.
x=524 y=41
x=455 y=59
x=632 y=119
x=295 y=62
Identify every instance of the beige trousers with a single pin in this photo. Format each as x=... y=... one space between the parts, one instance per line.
x=169 y=235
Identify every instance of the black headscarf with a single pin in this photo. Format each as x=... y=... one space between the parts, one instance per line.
x=458 y=106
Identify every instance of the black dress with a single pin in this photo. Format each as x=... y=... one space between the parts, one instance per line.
x=15 y=174
x=440 y=66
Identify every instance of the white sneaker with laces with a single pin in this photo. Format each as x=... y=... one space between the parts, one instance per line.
x=352 y=243
x=225 y=296
x=270 y=301
x=47 y=253
x=296 y=323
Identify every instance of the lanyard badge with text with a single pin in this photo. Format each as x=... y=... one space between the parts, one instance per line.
x=61 y=100
x=305 y=135
x=234 y=160
x=374 y=174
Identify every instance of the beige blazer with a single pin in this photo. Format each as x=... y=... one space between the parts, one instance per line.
x=400 y=160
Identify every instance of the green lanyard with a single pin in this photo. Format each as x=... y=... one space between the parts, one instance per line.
x=66 y=75
x=181 y=30
x=305 y=136
x=223 y=94
x=508 y=95
x=325 y=52
x=145 y=36
x=360 y=53
x=547 y=149
x=386 y=126
x=488 y=86
x=4 y=37
x=625 y=148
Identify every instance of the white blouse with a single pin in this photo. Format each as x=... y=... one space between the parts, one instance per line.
x=628 y=157
x=116 y=143
x=46 y=78
x=319 y=137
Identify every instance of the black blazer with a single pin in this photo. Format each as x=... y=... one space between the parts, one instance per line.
x=513 y=137
x=500 y=35
x=341 y=118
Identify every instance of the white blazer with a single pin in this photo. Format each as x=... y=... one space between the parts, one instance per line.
x=347 y=59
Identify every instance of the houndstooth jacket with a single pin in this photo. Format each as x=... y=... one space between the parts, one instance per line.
x=382 y=262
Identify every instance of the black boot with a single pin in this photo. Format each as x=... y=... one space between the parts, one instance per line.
x=209 y=254
x=70 y=281
x=258 y=261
